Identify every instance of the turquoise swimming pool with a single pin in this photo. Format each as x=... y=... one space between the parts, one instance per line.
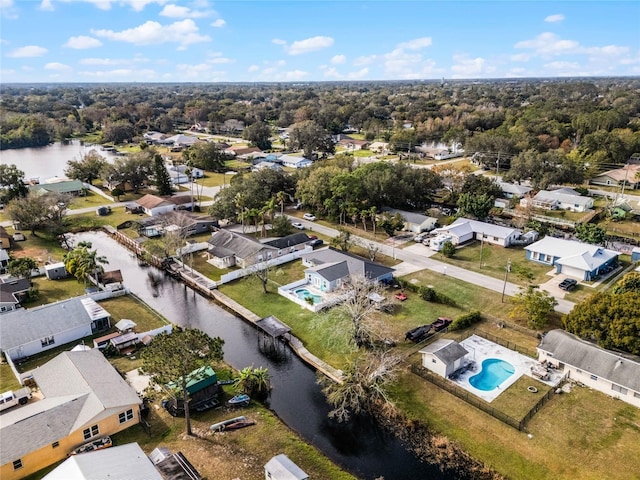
x=303 y=294
x=494 y=372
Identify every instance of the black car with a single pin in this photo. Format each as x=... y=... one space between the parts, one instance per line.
x=418 y=333
x=568 y=284
x=316 y=242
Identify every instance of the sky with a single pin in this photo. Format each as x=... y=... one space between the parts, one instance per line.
x=304 y=40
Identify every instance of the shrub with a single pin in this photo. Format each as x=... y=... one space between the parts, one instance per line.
x=448 y=249
x=444 y=300
x=428 y=294
x=466 y=320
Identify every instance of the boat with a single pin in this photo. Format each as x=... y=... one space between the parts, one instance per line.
x=220 y=426
x=239 y=400
x=239 y=424
x=92 y=446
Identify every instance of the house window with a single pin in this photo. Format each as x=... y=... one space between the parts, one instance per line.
x=125 y=416
x=495 y=239
x=55 y=444
x=17 y=464
x=46 y=341
x=619 y=389
x=578 y=370
x=636 y=395
x=593 y=377
x=433 y=360
x=87 y=433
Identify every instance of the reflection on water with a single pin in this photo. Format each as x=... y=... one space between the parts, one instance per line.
x=360 y=446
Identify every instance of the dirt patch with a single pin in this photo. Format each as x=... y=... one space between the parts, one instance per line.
x=40 y=255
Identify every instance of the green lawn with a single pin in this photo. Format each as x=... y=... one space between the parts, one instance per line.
x=50 y=291
x=91 y=199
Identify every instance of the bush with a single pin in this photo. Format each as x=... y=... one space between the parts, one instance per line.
x=444 y=300
x=448 y=249
x=466 y=320
x=428 y=294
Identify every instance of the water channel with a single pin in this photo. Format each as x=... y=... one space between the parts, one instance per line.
x=362 y=448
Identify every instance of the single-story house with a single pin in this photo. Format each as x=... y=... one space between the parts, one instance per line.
x=55 y=271
x=242 y=151
x=29 y=332
x=266 y=164
x=600 y=369
x=464 y=229
x=619 y=176
x=290 y=243
x=414 y=222
x=328 y=269
x=4 y=260
x=5 y=238
x=73 y=187
x=155 y=138
x=443 y=356
x=511 y=190
x=112 y=183
x=181 y=141
x=583 y=261
x=84 y=398
x=560 y=199
x=153 y=205
x=122 y=461
x=178 y=173
x=281 y=467
x=353 y=144
x=12 y=292
x=294 y=162
x=186 y=223
x=230 y=248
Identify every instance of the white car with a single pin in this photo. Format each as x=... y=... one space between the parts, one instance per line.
x=298 y=225
x=310 y=217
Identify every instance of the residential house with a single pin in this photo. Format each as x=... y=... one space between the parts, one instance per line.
x=12 y=292
x=603 y=370
x=266 y=164
x=183 y=173
x=464 y=229
x=290 y=243
x=4 y=260
x=619 y=176
x=243 y=152
x=181 y=141
x=5 y=238
x=28 y=332
x=230 y=249
x=295 y=162
x=513 y=190
x=583 y=261
x=328 y=269
x=153 y=205
x=414 y=222
x=111 y=183
x=84 y=398
x=60 y=185
x=183 y=222
x=560 y=199
x=353 y=144
x=443 y=356
x=119 y=462
x=55 y=271
x=281 y=467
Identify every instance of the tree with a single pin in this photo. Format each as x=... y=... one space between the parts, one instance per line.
x=135 y=169
x=590 y=233
x=172 y=357
x=162 y=177
x=262 y=271
x=29 y=212
x=88 y=168
x=206 y=156
x=254 y=382
x=390 y=224
x=310 y=137
x=448 y=249
x=372 y=250
x=22 y=267
x=11 y=183
x=281 y=226
x=535 y=304
x=118 y=131
x=365 y=385
x=259 y=135
x=343 y=241
x=117 y=192
x=82 y=262
x=629 y=283
x=475 y=205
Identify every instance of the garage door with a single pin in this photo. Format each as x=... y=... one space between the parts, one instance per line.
x=573 y=272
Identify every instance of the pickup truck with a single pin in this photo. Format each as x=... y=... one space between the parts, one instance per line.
x=14 y=397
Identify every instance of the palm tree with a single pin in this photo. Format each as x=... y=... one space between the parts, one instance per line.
x=280 y=198
x=253 y=381
x=82 y=262
x=373 y=215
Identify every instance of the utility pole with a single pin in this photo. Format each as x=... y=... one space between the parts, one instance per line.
x=506 y=274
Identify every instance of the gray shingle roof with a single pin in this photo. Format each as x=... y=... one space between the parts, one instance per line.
x=411 y=217
x=242 y=246
x=448 y=351
x=23 y=326
x=356 y=266
x=571 y=350
x=289 y=241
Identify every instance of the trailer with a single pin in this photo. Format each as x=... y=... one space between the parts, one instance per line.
x=14 y=397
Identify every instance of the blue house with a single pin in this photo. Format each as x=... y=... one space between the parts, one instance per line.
x=635 y=254
x=575 y=259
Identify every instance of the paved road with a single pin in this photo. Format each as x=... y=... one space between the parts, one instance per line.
x=417 y=257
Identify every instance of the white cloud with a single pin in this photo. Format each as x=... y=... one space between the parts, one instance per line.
x=137 y=5
x=8 y=10
x=103 y=61
x=362 y=73
x=57 y=66
x=278 y=41
x=184 y=32
x=404 y=65
x=466 y=67
x=308 y=45
x=364 y=60
x=558 y=17
x=219 y=23
x=82 y=42
x=294 y=75
x=46 y=5
x=120 y=74
x=548 y=43
x=4 y=73
x=220 y=60
x=520 y=57
x=253 y=68
x=27 y=52
x=416 y=44
x=177 y=11
x=607 y=51
x=338 y=59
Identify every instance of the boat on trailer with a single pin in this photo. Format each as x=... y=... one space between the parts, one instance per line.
x=92 y=446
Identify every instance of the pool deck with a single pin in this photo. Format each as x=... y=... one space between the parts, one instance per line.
x=481 y=349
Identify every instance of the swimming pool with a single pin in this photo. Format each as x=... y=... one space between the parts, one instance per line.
x=303 y=294
x=494 y=372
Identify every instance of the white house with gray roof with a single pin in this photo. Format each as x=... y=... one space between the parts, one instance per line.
x=583 y=261
x=561 y=199
x=464 y=229
x=84 y=398
x=228 y=249
x=414 y=222
x=595 y=367
x=511 y=190
x=27 y=332
x=443 y=356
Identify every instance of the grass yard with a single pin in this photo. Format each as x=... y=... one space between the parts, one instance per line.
x=50 y=291
x=494 y=262
x=42 y=247
x=91 y=199
x=8 y=380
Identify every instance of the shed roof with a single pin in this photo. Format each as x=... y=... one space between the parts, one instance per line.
x=282 y=468
x=273 y=326
x=448 y=351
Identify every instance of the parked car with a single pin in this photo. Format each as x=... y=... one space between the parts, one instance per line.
x=401 y=296
x=568 y=284
x=420 y=237
x=298 y=225
x=316 y=242
x=418 y=333
x=310 y=217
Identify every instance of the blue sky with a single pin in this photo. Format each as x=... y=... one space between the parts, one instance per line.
x=301 y=40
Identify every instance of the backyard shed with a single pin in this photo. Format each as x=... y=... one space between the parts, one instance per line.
x=55 y=271
x=443 y=356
